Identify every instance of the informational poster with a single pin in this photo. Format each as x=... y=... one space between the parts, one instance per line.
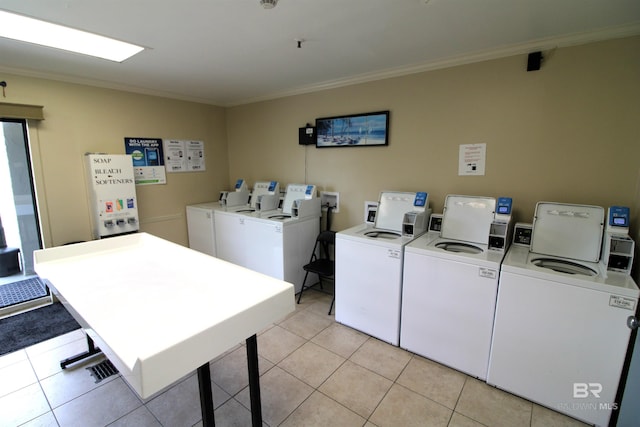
x=148 y=160
x=184 y=155
x=472 y=159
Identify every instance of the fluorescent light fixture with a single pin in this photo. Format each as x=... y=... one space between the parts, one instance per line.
x=30 y=30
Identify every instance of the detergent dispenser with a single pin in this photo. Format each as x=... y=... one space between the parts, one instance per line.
x=112 y=194
x=619 y=248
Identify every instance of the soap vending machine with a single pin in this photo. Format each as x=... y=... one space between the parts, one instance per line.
x=112 y=194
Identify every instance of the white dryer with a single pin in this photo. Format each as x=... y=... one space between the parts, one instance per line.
x=368 y=272
x=560 y=333
x=450 y=286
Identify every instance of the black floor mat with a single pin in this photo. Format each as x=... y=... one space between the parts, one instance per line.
x=22 y=291
x=32 y=327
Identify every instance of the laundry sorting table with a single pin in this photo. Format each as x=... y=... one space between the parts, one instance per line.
x=159 y=311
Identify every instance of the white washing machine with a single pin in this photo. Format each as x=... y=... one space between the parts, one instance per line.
x=450 y=286
x=200 y=226
x=368 y=273
x=277 y=242
x=230 y=235
x=560 y=333
x=201 y=217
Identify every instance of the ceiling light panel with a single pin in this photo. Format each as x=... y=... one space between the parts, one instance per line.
x=30 y=30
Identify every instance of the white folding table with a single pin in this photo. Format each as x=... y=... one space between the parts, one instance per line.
x=159 y=311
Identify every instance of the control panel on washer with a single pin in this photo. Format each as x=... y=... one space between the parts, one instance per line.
x=499 y=232
x=618 y=248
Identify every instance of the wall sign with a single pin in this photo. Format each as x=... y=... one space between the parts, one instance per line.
x=147 y=157
x=184 y=155
x=472 y=158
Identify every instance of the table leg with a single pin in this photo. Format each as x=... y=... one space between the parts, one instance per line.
x=91 y=351
x=254 y=381
x=206 y=396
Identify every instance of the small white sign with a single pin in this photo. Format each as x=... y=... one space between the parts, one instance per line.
x=622 y=302
x=487 y=273
x=472 y=159
x=184 y=155
x=393 y=253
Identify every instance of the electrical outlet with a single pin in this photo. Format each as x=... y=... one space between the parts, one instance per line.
x=330 y=198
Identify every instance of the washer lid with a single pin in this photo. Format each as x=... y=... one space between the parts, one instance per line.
x=468 y=218
x=564 y=266
x=568 y=231
x=465 y=248
x=391 y=209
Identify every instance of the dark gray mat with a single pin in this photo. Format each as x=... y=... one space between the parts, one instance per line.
x=32 y=327
x=22 y=291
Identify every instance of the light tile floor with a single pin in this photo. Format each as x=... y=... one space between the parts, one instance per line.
x=314 y=372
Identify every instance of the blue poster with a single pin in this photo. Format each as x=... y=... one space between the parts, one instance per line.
x=148 y=160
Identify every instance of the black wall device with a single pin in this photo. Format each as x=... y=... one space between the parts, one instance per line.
x=533 y=61
x=307 y=135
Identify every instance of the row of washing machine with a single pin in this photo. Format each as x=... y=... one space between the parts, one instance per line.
x=545 y=318
x=262 y=230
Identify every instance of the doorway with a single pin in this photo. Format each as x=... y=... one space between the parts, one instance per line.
x=20 y=235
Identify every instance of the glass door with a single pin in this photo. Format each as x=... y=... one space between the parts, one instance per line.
x=18 y=210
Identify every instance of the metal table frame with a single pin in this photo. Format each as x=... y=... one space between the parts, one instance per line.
x=235 y=304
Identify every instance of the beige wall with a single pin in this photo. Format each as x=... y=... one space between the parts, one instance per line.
x=80 y=119
x=567 y=133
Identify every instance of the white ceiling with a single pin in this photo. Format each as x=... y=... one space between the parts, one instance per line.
x=230 y=52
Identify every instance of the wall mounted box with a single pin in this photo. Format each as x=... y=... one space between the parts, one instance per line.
x=307 y=135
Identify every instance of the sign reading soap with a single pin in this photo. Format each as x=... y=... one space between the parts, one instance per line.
x=357 y=130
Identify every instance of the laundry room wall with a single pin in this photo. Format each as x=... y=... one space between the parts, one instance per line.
x=565 y=133
x=80 y=119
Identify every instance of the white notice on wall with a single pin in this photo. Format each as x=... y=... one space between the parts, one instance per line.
x=472 y=159
x=184 y=155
